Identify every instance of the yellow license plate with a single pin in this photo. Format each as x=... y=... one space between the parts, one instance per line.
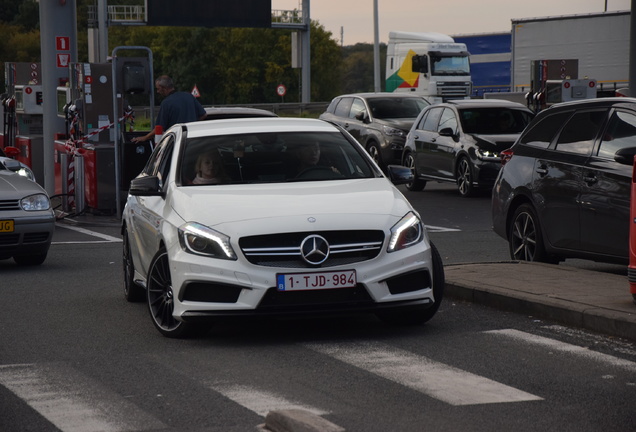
x=6 y=226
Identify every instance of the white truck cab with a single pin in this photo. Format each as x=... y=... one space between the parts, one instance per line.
x=430 y=64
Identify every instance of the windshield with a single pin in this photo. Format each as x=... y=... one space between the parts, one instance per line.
x=450 y=65
x=494 y=120
x=394 y=108
x=272 y=158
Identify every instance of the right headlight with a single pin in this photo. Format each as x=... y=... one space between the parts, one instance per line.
x=198 y=239
x=407 y=232
x=35 y=202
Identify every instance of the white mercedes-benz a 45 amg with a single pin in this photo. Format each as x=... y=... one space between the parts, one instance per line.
x=273 y=217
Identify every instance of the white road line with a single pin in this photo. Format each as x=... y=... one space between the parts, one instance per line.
x=72 y=401
x=109 y=239
x=258 y=401
x=440 y=381
x=432 y=228
x=565 y=347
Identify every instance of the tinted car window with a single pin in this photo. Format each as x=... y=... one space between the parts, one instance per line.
x=344 y=107
x=542 y=133
x=273 y=158
x=621 y=133
x=356 y=107
x=387 y=108
x=494 y=120
x=448 y=120
x=432 y=119
x=580 y=132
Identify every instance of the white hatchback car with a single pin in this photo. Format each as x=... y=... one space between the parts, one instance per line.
x=273 y=217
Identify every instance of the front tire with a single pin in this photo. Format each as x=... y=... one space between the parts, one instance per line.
x=374 y=150
x=417 y=184
x=160 y=297
x=525 y=238
x=464 y=177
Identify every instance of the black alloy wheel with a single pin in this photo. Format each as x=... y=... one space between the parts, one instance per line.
x=160 y=298
x=465 y=177
x=417 y=184
x=525 y=238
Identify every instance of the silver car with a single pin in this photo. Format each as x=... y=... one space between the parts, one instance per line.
x=27 y=221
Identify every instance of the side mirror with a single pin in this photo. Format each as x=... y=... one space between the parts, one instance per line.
x=448 y=132
x=145 y=186
x=399 y=174
x=362 y=116
x=625 y=156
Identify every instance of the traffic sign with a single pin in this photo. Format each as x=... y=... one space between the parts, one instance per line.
x=281 y=90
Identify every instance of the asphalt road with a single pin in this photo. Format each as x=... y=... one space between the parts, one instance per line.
x=75 y=356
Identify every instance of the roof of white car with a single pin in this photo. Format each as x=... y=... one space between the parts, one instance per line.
x=258 y=125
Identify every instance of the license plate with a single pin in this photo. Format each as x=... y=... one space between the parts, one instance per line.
x=315 y=281
x=6 y=226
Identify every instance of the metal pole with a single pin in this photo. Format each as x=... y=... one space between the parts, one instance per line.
x=376 y=49
x=117 y=98
x=306 y=53
x=102 y=28
x=632 y=53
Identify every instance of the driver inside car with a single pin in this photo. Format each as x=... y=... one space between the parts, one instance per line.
x=308 y=155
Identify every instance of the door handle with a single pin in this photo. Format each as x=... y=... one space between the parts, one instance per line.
x=541 y=171
x=590 y=179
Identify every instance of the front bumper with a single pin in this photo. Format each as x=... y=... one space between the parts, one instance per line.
x=205 y=287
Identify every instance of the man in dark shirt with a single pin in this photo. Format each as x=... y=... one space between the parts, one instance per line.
x=176 y=107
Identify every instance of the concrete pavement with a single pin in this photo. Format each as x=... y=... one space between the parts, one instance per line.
x=586 y=299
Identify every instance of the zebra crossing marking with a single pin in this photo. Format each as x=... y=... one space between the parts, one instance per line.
x=438 y=380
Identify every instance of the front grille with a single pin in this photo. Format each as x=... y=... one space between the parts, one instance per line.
x=409 y=282
x=37 y=237
x=284 y=250
x=210 y=292
x=9 y=205
x=9 y=239
x=314 y=300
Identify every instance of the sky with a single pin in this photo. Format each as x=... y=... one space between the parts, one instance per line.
x=452 y=17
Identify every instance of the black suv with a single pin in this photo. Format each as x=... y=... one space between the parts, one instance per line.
x=564 y=188
x=379 y=121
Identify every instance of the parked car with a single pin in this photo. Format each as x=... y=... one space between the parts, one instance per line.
x=286 y=228
x=564 y=188
x=27 y=221
x=379 y=121
x=459 y=141
x=11 y=164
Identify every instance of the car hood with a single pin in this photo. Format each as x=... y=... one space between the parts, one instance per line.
x=15 y=186
x=255 y=209
x=494 y=142
x=404 y=123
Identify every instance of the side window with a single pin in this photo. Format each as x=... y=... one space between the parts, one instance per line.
x=420 y=124
x=430 y=123
x=620 y=133
x=356 y=107
x=159 y=162
x=580 y=132
x=448 y=120
x=543 y=131
x=343 y=107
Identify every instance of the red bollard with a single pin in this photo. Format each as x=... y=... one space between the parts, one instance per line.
x=631 y=269
x=158 y=133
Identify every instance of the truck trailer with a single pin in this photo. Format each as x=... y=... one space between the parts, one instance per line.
x=599 y=42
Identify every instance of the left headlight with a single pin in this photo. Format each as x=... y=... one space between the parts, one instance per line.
x=35 y=202
x=198 y=239
x=487 y=154
x=391 y=131
x=407 y=232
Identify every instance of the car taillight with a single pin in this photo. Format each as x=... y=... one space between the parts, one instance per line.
x=505 y=156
